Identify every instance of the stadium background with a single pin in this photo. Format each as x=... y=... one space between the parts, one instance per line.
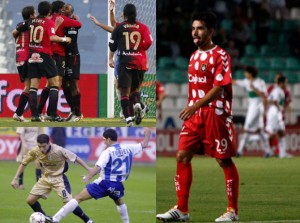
x=93 y=46
x=86 y=142
x=251 y=34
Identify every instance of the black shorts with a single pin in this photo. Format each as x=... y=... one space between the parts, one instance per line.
x=72 y=67
x=130 y=78
x=41 y=65
x=60 y=64
x=23 y=71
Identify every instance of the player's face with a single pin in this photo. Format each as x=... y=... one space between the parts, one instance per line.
x=200 y=33
x=43 y=147
x=67 y=10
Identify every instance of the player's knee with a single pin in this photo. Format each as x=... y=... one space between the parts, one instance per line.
x=30 y=201
x=224 y=162
x=183 y=157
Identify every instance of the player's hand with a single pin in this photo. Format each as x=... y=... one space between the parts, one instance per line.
x=111 y=5
x=111 y=63
x=76 y=17
x=187 y=112
x=68 y=40
x=58 y=21
x=94 y=20
x=15 y=183
x=85 y=178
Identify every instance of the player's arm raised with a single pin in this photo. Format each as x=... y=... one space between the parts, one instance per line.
x=147 y=133
x=102 y=25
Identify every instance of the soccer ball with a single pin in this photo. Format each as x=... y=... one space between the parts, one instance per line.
x=37 y=217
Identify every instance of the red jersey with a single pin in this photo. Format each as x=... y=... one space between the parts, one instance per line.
x=132 y=42
x=208 y=69
x=159 y=89
x=22 y=45
x=59 y=48
x=40 y=31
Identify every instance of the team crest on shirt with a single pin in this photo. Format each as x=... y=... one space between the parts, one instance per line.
x=203 y=67
x=49 y=157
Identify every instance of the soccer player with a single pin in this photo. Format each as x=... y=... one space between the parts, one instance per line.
x=53 y=161
x=114 y=165
x=257 y=91
x=28 y=137
x=72 y=66
x=22 y=51
x=42 y=32
x=208 y=125
x=274 y=118
x=132 y=39
x=59 y=54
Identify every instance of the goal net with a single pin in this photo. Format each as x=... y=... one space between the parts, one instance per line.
x=146 y=13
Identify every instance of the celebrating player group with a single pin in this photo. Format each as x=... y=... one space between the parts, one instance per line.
x=46 y=46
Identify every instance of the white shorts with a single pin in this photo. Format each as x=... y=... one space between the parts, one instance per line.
x=254 y=118
x=275 y=121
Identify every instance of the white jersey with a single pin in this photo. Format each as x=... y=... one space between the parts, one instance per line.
x=30 y=135
x=277 y=95
x=253 y=99
x=116 y=161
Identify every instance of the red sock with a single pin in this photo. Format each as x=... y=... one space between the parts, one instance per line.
x=232 y=185
x=183 y=182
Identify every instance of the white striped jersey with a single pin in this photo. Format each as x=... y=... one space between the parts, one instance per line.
x=116 y=161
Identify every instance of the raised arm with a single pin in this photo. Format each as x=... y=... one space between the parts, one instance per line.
x=147 y=133
x=112 y=17
x=102 y=25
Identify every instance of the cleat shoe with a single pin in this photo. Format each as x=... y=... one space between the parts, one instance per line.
x=75 y=118
x=36 y=119
x=138 y=113
x=90 y=221
x=173 y=215
x=129 y=121
x=229 y=215
x=49 y=219
x=42 y=117
x=56 y=118
x=69 y=116
x=19 y=118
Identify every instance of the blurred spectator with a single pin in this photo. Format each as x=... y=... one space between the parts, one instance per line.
x=262 y=25
x=58 y=136
x=277 y=6
x=294 y=43
x=240 y=34
x=234 y=54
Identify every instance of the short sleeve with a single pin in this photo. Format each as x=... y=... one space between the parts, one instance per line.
x=103 y=159
x=222 y=74
x=30 y=156
x=69 y=155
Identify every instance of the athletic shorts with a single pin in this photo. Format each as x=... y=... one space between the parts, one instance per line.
x=72 y=70
x=274 y=122
x=254 y=118
x=41 y=65
x=60 y=64
x=208 y=133
x=60 y=185
x=103 y=188
x=130 y=78
x=22 y=70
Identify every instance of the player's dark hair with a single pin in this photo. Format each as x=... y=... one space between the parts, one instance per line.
x=43 y=138
x=129 y=11
x=281 y=79
x=252 y=70
x=209 y=18
x=27 y=12
x=44 y=8
x=57 y=5
x=111 y=134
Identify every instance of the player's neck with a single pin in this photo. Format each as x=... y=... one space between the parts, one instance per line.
x=210 y=45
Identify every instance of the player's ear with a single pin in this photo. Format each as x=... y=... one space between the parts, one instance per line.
x=211 y=31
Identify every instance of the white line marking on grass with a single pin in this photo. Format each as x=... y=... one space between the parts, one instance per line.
x=277 y=221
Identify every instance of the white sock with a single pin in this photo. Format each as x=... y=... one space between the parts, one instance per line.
x=65 y=210
x=265 y=140
x=122 y=209
x=282 y=147
x=242 y=143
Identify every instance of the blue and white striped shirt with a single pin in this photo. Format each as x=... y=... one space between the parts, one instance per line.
x=116 y=161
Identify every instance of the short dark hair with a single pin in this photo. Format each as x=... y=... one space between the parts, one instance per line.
x=209 y=18
x=111 y=134
x=130 y=12
x=281 y=79
x=252 y=70
x=44 y=8
x=43 y=138
x=27 y=12
x=57 y=5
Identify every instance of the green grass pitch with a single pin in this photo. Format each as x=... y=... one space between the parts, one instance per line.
x=269 y=189
x=87 y=122
x=139 y=196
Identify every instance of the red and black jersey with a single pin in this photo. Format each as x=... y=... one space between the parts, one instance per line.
x=59 y=48
x=72 y=48
x=40 y=30
x=22 y=44
x=132 y=42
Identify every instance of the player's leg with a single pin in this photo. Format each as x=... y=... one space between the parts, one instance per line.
x=34 y=84
x=76 y=111
x=32 y=201
x=232 y=189
x=43 y=98
x=137 y=80
x=122 y=209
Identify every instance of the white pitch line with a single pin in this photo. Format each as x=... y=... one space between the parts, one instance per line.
x=277 y=221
